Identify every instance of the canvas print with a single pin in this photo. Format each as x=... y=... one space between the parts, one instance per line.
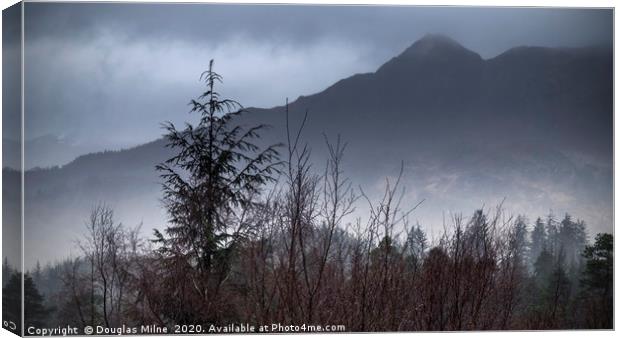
x=230 y=168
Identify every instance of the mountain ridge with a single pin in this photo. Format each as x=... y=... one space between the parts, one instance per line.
x=429 y=43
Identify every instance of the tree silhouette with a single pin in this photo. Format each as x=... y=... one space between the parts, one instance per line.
x=208 y=185
x=7 y=271
x=12 y=302
x=597 y=283
x=537 y=241
x=35 y=313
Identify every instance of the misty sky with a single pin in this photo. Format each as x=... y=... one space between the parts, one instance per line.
x=106 y=75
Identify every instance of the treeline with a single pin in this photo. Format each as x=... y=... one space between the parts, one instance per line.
x=259 y=235
x=483 y=274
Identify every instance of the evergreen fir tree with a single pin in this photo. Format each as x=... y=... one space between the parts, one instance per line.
x=519 y=239
x=597 y=283
x=35 y=313
x=552 y=229
x=572 y=238
x=538 y=238
x=208 y=184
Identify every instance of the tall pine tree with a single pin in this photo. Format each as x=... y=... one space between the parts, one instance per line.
x=538 y=237
x=208 y=184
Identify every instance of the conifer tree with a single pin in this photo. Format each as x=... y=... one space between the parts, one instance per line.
x=537 y=240
x=35 y=313
x=597 y=283
x=519 y=239
x=572 y=236
x=216 y=171
x=552 y=228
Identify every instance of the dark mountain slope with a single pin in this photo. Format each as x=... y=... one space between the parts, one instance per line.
x=437 y=88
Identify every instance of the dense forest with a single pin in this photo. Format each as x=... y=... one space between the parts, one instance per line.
x=261 y=235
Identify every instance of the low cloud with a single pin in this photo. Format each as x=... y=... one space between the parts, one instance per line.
x=108 y=86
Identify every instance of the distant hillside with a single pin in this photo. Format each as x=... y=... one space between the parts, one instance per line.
x=44 y=151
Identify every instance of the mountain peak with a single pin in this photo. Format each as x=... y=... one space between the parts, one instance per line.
x=431 y=44
x=433 y=49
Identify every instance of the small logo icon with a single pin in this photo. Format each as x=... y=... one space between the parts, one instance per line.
x=10 y=325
